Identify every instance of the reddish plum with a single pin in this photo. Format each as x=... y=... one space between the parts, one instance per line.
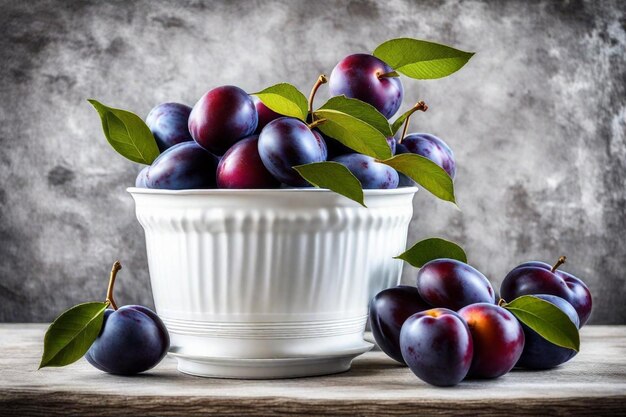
x=222 y=117
x=498 y=339
x=266 y=115
x=241 y=167
x=362 y=76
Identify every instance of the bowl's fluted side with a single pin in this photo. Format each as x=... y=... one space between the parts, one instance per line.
x=269 y=265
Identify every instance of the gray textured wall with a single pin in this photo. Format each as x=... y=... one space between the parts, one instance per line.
x=537 y=121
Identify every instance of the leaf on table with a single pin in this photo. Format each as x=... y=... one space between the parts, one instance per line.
x=72 y=333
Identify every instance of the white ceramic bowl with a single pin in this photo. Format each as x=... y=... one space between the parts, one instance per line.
x=270 y=283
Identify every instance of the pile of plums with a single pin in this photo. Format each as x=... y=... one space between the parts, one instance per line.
x=449 y=326
x=230 y=139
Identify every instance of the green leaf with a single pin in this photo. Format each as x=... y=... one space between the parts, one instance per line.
x=285 y=99
x=127 y=134
x=397 y=124
x=335 y=177
x=426 y=173
x=72 y=333
x=546 y=319
x=349 y=122
x=421 y=59
x=433 y=248
x=360 y=110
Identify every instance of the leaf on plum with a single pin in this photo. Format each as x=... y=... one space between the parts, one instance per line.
x=355 y=124
x=426 y=173
x=335 y=177
x=127 y=134
x=72 y=333
x=432 y=248
x=285 y=99
x=547 y=320
x=359 y=110
x=421 y=59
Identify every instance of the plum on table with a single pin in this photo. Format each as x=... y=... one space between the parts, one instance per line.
x=498 y=339
x=437 y=346
x=538 y=352
x=388 y=311
x=453 y=284
x=540 y=278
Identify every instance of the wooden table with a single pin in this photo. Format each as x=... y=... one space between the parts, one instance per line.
x=593 y=383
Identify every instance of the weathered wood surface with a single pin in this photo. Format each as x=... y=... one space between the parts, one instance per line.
x=593 y=383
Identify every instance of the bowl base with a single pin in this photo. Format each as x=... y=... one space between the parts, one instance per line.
x=233 y=368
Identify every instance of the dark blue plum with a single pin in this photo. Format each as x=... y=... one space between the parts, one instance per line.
x=241 y=167
x=358 y=76
x=391 y=141
x=538 y=352
x=183 y=166
x=403 y=180
x=142 y=177
x=431 y=147
x=388 y=310
x=287 y=142
x=133 y=339
x=335 y=148
x=437 y=346
x=169 y=124
x=371 y=174
x=266 y=115
x=222 y=117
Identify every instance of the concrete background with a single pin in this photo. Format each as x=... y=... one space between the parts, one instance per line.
x=537 y=120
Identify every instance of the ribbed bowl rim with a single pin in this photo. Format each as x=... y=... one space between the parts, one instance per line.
x=264 y=191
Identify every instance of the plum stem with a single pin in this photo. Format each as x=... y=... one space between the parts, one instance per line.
x=316 y=123
x=390 y=74
x=501 y=302
x=114 y=270
x=558 y=263
x=421 y=106
x=320 y=80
